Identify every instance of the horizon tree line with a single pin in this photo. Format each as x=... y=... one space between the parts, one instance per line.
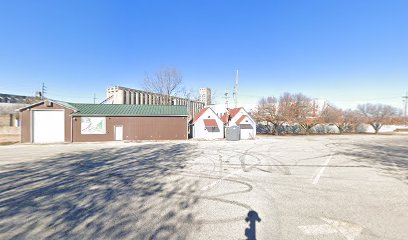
x=297 y=111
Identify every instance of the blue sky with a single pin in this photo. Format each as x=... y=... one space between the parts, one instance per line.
x=347 y=52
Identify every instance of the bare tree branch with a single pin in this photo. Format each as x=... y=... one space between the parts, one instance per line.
x=299 y=109
x=167 y=82
x=377 y=114
x=344 y=120
x=268 y=111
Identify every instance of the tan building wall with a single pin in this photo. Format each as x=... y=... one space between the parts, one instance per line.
x=10 y=130
x=205 y=96
x=6 y=120
x=122 y=95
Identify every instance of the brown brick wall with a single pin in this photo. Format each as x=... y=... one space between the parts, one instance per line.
x=137 y=128
x=5 y=120
x=25 y=119
x=134 y=128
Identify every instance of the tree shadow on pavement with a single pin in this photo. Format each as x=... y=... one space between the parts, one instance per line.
x=390 y=159
x=130 y=192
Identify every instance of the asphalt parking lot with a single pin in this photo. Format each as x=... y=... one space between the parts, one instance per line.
x=306 y=187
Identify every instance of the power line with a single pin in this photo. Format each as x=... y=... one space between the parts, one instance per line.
x=64 y=96
x=44 y=90
x=337 y=100
x=367 y=99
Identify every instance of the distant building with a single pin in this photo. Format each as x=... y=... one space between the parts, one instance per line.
x=9 y=103
x=123 y=95
x=11 y=98
x=205 y=96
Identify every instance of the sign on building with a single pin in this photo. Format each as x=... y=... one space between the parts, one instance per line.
x=93 y=125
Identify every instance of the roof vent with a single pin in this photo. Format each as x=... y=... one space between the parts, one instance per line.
x=48 y=103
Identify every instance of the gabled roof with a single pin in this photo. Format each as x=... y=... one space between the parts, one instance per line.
x=199 y=114
x=224 y=118
x=241 y=119
x=232 y=113
x=87 y=109
x=210 y=123
x=63 y=104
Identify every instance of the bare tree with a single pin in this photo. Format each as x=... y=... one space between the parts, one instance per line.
x=268 y=111
x=191 y=94
x=304 y=111
x=286 y=103
x=298 y=109
x=344 y=120
x=351 y=119
x=167 y=82
x=377 y=115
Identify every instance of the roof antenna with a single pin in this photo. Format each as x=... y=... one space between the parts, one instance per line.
x=43 y=91
x=226 y=99
x=236 y=89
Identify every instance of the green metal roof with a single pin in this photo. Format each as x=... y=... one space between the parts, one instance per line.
x=84 y=109
x=88 y=109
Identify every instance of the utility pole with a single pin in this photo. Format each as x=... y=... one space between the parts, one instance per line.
x=94 y=98
x=226 y=99
x=236 y=89
x=315 y=107
x=405 y=100
x=189 y=107
x=43 y=91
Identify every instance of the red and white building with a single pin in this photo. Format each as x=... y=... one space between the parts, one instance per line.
x=207 y=125
x=240 y=117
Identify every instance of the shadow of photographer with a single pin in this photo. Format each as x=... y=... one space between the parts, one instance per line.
x=252 y=218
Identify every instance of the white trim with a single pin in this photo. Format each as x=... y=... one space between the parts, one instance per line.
x=21 y=128
x=114 y=132
x=51 y=109
x=29 y=106
x=43 y=101
x=31 y=127
x=206 y=111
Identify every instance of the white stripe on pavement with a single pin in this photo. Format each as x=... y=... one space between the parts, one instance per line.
x=316 y=179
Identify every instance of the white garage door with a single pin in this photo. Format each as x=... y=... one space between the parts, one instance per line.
x=48 y=126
